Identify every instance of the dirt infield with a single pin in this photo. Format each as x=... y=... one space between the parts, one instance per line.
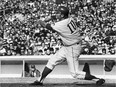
x=54 y=85
x=52 y=82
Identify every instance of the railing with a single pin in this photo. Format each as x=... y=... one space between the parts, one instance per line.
x=82 y=57
x=44 y=58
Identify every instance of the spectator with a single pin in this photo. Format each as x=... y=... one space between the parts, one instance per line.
x=40 y=52
x=2 y=51
x=51 y=51
x=109 y=32
x=31 y=71
x=34 y=72
x=48 y=52
x=95 y=51
x=9 y=52
x=30 y=51
x=103 y=51
x=19 y=23
x=112 y=51
x=85 y=51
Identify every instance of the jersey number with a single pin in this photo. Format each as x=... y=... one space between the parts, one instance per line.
x=72 y=26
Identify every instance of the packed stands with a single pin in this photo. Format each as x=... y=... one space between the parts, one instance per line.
x=21 y=34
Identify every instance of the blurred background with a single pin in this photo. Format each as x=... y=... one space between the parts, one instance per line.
x=21 y=34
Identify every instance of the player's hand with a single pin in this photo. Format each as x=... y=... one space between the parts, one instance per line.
x=48 y=19
x=42 y=23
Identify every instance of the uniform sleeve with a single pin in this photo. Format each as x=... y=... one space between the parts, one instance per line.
x=48 y=26
x=57 y=27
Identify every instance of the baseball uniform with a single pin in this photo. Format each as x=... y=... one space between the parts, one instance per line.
x=71 y=49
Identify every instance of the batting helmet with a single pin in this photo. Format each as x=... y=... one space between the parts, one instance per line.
x=64 y=11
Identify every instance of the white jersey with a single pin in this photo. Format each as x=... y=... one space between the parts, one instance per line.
x=68 y=30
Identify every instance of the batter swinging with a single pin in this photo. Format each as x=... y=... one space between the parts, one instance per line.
x=70 y=51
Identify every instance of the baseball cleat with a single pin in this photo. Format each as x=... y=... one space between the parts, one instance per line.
x=100 y=82
x=37 y=83
x=90 y=77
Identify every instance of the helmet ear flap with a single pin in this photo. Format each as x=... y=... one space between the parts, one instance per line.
x=63 y=11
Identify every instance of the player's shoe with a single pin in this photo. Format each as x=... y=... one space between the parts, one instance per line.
x=91 y=77
x=109 y=64
x=86 y=68
x=88 y=75
x=37 y=83
x=100 y=82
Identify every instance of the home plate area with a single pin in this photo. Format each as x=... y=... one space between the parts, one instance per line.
x=53 y=82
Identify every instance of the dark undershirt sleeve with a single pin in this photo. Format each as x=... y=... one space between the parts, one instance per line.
x=48 y=26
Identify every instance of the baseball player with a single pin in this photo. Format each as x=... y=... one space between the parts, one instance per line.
x=70 y=51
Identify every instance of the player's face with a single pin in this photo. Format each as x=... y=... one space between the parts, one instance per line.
x=59 y=15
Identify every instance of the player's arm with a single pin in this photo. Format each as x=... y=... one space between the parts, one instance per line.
x=45 y=25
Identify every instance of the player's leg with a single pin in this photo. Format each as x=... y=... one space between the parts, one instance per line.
x=73 y=64
x=45 y=72
x=86 y=69
x=86 y=75
x=91 y=77
x=73 y=52
x=74 y=68
x=59 y=57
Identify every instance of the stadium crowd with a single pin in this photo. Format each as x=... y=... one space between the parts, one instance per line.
x=21 y=34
